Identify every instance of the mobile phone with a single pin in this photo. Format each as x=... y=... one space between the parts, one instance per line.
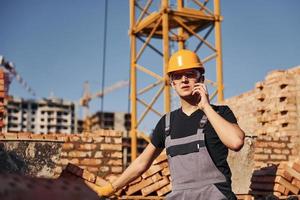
x=200 y=80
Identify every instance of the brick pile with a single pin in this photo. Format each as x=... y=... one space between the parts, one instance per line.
x=278 y=180
x=154 y=183
x=16 y=186
x=4 y=83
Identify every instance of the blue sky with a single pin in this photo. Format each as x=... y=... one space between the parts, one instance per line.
x=56 y=45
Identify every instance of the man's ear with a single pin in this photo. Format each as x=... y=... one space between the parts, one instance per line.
x=172 y=84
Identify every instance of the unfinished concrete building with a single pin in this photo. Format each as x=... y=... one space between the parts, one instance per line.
x=40 y=116
x=110 y=120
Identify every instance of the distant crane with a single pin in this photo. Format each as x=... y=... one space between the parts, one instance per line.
x=9 y=66
x=87 y=96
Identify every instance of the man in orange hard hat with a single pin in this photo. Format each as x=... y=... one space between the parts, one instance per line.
x=196 y=136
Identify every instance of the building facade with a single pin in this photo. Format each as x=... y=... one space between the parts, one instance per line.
x=44 y=116
x=110 y=120
x=4 y=84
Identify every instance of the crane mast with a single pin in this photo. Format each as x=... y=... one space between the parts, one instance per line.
x=171 y=24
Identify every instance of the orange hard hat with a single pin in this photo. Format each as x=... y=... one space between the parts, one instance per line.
x=184 y=59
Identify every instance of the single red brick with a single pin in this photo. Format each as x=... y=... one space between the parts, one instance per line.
x=267 y=151
x=108 y=140
x=87 y=139
x=277 y=151
x=68 y=146
x=93 y=169
x=117 y=147
x=117 y=140
x=98 y=139
x=74 y=138
x=260 y=144
x=90 y=161
x=115 y=162
x=278 y=157
x=80 y=154
x=98 y=154
x=87 y=146
x=261 y=156
x=116 y=169
x=116 y=155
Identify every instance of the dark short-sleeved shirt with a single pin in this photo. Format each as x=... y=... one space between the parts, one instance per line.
x=183 y=125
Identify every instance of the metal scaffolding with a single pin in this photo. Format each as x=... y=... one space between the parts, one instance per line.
x=169 y=23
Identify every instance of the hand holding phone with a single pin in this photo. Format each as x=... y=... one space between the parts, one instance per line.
x=201 y=94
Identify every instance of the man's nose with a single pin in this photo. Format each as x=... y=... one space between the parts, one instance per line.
x=184 y=78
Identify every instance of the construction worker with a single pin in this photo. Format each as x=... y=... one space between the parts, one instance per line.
x=196 y=136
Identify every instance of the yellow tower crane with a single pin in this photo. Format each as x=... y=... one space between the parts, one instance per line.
x=172 y=24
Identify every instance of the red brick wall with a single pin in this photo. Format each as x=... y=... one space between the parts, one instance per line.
x=99 y=152
x=274 y=150
x=271 y=112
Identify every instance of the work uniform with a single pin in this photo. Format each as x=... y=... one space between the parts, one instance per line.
x=196 y=155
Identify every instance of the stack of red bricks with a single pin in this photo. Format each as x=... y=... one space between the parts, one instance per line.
x=73 y=172
x=69 y=186
x=155 y=182
x=4 y=83
x=279 y=180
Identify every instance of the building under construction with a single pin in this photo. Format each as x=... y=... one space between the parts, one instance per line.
x=267 y=167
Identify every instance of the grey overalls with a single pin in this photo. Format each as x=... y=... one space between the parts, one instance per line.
x=192 y=170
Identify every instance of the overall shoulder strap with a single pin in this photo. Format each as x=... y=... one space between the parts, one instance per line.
x=167 y=123
x=203 y=121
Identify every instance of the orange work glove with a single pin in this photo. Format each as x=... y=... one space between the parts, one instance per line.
x=103 y=191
